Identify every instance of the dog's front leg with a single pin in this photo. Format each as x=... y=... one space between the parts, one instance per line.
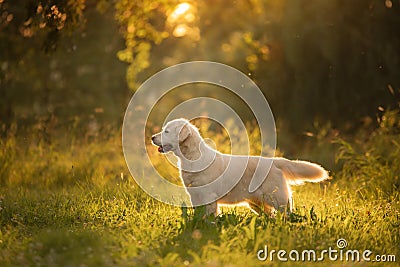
x=197 y=199
x=212 y=208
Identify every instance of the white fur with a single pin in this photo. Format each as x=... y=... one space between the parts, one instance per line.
x=201 y=165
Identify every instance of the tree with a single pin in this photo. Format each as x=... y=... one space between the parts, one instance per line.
x=314 y=60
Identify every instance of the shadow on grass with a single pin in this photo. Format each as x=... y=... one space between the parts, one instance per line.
x=199 y=233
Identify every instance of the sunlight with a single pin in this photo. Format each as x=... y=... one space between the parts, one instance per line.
x=180 y=30
x=233 y=206
x=388 y=3
x=181 y=10
x=181 y=20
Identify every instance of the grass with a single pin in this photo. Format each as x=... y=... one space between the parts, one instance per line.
x=93 y=214
x=122 y=226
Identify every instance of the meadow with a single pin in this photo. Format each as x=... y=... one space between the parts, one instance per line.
x=68 y=200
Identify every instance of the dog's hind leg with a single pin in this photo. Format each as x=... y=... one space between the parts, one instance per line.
x=258 y=206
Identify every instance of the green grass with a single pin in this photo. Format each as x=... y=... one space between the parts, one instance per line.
x=93 y=214
x=122 y=226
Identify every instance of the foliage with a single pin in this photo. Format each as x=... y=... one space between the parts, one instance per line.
x=42 y=22
x=142 y=24
x=56 y=163
x=81 y=78
x=314 y=60
x=373 y=162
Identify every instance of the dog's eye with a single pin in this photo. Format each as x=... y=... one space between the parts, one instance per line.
x=166 y=131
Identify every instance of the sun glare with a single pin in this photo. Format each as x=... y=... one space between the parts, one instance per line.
x=181 y=19
x=180 y=10
x=180 y=30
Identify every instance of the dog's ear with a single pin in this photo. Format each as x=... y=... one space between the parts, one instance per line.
x=185 y=132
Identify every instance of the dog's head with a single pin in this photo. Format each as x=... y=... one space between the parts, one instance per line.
x=173 y=133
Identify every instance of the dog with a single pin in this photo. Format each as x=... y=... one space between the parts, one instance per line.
x=214 y=179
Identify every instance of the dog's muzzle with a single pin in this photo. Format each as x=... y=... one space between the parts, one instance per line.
x=161 y=148
x=164 y=148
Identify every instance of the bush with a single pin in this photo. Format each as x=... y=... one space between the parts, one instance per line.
x=372 y=163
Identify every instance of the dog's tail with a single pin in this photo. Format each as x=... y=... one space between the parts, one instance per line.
x=296 y=172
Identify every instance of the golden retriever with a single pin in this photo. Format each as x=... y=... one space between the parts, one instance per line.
x=212 y=178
